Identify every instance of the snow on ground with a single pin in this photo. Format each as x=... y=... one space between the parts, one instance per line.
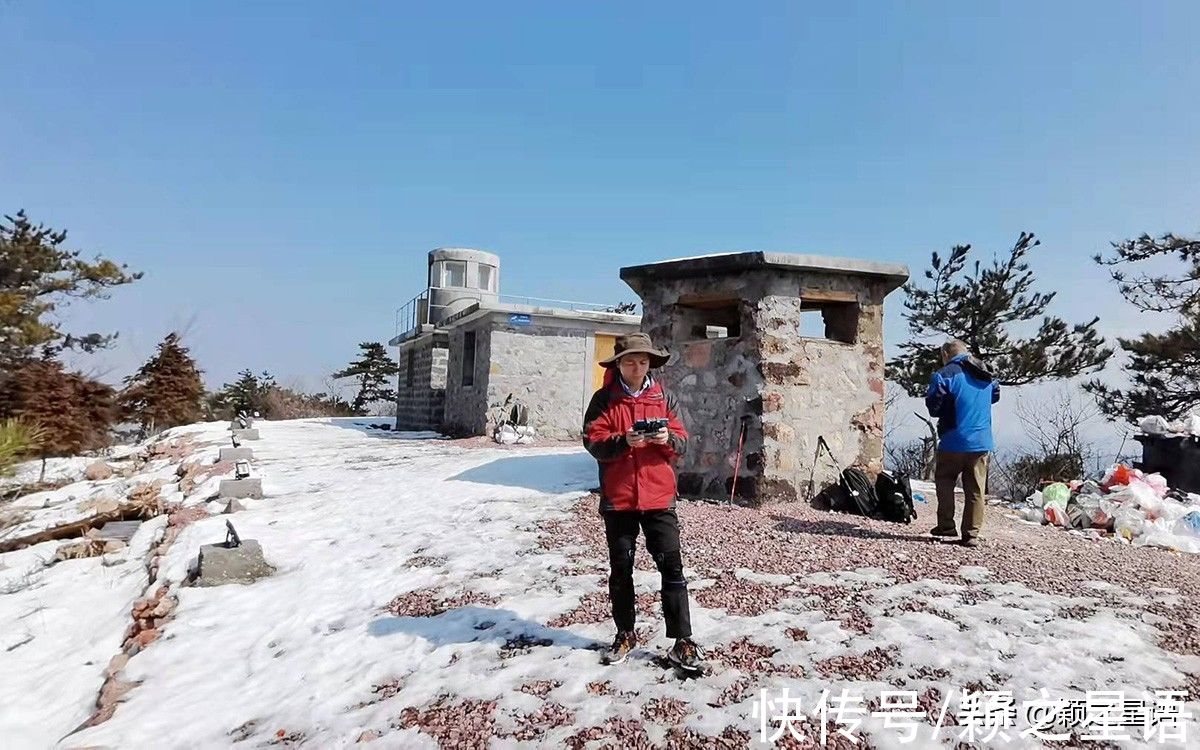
x=59 y=627
x=429 y=594
x=57 y=470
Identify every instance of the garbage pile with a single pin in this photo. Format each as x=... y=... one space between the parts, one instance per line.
x=1157 y=425
x=508 y=434
x=1135 y=507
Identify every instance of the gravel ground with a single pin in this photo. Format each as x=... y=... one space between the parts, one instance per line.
x=741 y=561
x=790 y=594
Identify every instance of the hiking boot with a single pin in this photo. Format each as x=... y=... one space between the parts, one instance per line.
x=686 y=655
x=625 y=642
x=942 y=532
x=970 y=541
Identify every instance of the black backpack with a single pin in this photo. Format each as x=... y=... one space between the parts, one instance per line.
x=894 y=493
x=857 y=494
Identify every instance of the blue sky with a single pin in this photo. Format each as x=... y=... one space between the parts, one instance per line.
x=279 y=170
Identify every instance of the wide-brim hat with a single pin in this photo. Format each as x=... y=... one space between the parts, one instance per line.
x=637 y=343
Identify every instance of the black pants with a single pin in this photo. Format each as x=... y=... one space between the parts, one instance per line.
x=662 y=541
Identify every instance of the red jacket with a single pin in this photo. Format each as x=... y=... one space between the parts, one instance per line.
x=633 y=478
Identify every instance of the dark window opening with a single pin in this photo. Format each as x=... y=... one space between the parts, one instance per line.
x=708 y=319
x=468 y=366
x=411 y=367
x=834 y=321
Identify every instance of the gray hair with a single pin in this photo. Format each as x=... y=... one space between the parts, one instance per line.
x=952 y=349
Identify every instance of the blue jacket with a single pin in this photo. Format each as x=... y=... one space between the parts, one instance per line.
x=961 y=395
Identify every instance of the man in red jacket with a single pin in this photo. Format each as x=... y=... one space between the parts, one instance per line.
x=632 y=429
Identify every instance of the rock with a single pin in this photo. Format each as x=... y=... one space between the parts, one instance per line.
x=218 y=565
x=97 y=471
x=234 y=507
x=116 y=664
x=370 y=735
x=165 y=607
x=146 y=637
x=114 y=691
x=98 y=506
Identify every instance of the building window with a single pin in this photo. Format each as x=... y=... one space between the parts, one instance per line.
x=708 y=319
x=468 y=359
x=454 y=273
x=485 y=278
x=833 y=321
x=411 y=367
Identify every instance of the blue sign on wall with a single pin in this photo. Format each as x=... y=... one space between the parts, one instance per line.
x=519 y=319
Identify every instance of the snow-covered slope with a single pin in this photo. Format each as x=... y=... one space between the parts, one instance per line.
x=429 y=593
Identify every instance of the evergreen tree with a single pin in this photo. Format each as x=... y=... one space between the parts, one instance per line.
x=981 y=306
x=374 y=370
x=246 y=395
x=72 y=413
x=166 y=391
x=38 y=275
x=1163 y=368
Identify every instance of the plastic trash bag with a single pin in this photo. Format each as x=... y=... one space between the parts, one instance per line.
x=1156 y=482
x=1056 y=494
x=1117 y=475
x=1033 y=515
x=1191 y=424
x=1057 y=516
x=1090 y=507
x=1155 y=425
x=1161 y=533
x=1128 y=522
x=1189 y=525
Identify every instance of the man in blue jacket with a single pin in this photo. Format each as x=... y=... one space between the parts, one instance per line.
x=961 y=395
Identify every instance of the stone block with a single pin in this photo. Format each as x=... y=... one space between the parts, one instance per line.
x=241 y=488
x=219 y=564
x=235 y=454
x=246 y=434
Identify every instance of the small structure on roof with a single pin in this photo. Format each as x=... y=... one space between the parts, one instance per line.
x=789 y=345
x=464 y=349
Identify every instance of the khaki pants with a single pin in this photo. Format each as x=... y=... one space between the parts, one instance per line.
x=972 y=467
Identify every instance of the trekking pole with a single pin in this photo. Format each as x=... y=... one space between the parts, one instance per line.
x=812 y=485
x=738 y=462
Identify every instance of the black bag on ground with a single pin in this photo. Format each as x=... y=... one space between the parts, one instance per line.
x=895 y=499
x=857 y=493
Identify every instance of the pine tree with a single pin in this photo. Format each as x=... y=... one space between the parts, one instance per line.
x=981 y=307
x=72 y=412
x=246 y=395
x=166 y=391
x=374 y=369
x=1163 y=368
x=37 y=277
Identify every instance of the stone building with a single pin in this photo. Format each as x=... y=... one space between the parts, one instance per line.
x=464 y=348
x=791 y=346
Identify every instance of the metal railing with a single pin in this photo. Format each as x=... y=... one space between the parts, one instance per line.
x=419 y=310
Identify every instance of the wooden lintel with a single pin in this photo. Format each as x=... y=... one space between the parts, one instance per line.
x=827 y=295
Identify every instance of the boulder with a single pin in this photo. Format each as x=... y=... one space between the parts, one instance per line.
x=219 y=564
x=97 y=471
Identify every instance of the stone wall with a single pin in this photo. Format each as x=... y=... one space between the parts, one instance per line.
x=788 y=389
x=545 y=368
x=466 y=409
x=419 y=406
